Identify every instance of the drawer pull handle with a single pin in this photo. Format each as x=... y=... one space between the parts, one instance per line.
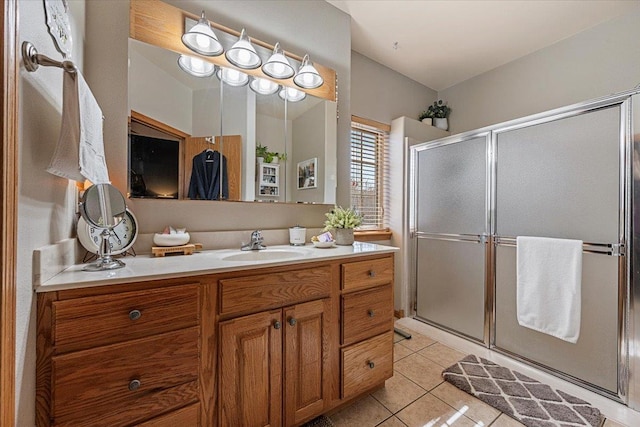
x=372 y=273
x=371 y=364
x=134 y=385
x=292 y=321
x=371 y=313
x=135 y=314
x=276 y=325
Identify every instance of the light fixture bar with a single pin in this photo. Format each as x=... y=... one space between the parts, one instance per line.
x=201 y=39
x=278 y=65
x=307 y=76
x=232 y=77
x=291 y=94
x=195 y=66
x=242 y=54
x=263 y=86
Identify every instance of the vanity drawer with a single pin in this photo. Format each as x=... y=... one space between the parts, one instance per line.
x=122 y=384
x=366 y=313
x=266 y=291
x=82 y=323
x=367 y=364
x=189 y=416
x=364 y=274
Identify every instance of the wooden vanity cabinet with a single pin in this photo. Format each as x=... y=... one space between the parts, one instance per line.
x=275 y=364
x=120 y=356
x=275 y=346
x=367 y=324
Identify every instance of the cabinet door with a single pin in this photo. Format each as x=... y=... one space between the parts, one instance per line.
x=251 y=370
x=306 y=376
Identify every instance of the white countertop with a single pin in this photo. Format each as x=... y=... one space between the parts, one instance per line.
x=149 y=267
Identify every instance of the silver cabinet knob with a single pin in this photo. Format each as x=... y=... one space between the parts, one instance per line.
x=371 y=364
x=276 y=325
x=134 y=385
x=135 y=314
x=292 y=321
x=371 y=313
x=372 y=273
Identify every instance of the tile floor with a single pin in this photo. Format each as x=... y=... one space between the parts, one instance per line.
x=417 y=395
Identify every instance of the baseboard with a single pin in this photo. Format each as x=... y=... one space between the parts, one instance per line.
x=399 y=314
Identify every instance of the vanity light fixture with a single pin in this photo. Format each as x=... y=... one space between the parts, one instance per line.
x=201 y=39
x=263 y=86
x=291 y=94
x=278 y=65
x=307 y=76
x=232 y=77
x=242 y=54
x=195 y=66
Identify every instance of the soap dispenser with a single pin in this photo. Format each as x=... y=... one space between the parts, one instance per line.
x=297 y=235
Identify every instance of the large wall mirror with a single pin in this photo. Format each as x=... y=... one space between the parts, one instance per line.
x=181 y=125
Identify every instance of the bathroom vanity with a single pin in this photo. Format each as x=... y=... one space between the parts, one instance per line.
x=228 y=338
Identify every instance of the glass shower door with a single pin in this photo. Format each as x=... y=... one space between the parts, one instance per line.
x=450 y=229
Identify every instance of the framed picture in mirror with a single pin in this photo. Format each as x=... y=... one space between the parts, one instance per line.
x=307 y=174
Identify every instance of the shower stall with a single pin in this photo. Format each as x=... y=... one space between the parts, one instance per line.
x=568 y=173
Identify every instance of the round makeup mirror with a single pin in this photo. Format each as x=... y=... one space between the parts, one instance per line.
x=103 y=207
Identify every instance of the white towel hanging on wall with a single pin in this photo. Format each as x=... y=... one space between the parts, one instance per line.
x=79 y=154
x=549 y=281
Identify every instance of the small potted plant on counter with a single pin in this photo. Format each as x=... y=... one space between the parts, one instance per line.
x=342 y=221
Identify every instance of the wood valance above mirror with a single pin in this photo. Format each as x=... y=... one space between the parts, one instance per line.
x=160 y=24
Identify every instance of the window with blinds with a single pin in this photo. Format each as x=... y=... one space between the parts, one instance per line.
x=369 y=171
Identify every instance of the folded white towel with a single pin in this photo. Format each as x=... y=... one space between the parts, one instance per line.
x=79 y=154
x=549 y=286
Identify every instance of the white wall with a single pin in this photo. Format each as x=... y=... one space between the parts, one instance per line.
x=381 y=94
x=602 y=60
x=46 y=203
x=155 y=93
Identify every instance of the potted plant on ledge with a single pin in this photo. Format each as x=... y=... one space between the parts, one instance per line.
x=426 y=117
x=440 y=111
x=263 y=155
x=342 y=222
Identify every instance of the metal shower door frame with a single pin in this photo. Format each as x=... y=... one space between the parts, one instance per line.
x=628 y=282
x=624 y=230
x=483 y=238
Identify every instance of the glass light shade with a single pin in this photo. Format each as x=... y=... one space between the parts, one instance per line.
x=278 y=65
x=196 y=66
x=242 y=54
x=263 y=86
x=291 y=94
x=232 y=77
x=307 y=76
x=201 y=39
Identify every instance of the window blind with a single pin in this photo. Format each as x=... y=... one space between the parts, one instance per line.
x=369 y=173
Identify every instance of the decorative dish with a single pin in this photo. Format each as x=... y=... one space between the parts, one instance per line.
x=324 y=245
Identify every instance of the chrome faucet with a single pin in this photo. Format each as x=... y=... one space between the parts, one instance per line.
x=256 y=242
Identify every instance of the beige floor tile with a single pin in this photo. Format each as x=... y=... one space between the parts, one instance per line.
x=397 y=337
x=364 y=412
x=612 y=423
x=420 y=370
x=392 y=422
x=417 y=341
x=505 y=420
x=400 y=351
x=398 y=392
x=474 y=408
x=431 y=411
x=442 y=355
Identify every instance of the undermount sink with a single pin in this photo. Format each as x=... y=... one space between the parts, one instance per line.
x=264 y=255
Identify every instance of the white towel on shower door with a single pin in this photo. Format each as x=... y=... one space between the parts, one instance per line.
x=549 y=286
x=79 y=154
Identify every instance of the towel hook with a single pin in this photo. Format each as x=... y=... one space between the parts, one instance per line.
x=32 y=59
